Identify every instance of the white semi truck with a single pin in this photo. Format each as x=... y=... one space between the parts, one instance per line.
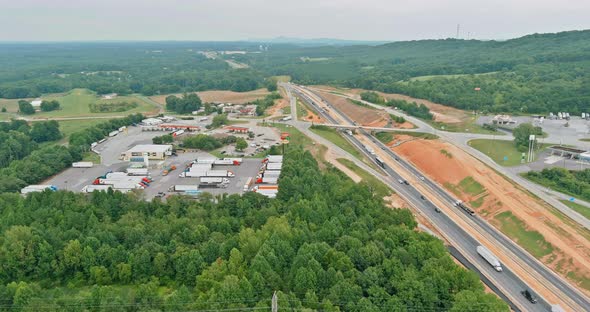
x=82 y=164
x=213 y=182
x=185 y=188
x=489 y=257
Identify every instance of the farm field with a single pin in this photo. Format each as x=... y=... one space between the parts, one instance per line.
x=497 y=150
x=561 y=245
x=75 y=103
x=68 y=127
x=220 y=96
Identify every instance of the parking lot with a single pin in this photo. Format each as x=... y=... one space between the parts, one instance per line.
x=74 y=179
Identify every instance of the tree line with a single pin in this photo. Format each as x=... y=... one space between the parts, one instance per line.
x=325 y=243
x=186 y=104
x=572 y=182
x=27 y=164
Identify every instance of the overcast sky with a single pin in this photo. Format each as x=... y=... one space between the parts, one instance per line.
x=67 y=20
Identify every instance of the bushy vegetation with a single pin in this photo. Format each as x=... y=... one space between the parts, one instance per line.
x=206 y=142
x=28 y=71
x=47 y=106
x=412 y=109
x=100 y=107
x=575 y=183
x=163 y=139
x=218 y=121
x=326 y=243
x=522 y=135
x=29 y=165
x=372 y=97
x=534 y=74
x=266 y=102
x=26 y=108
x=186 y=104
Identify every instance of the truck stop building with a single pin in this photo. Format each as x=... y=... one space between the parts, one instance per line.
x=152 y=151
x=569 y=152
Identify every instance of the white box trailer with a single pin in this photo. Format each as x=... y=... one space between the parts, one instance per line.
x=37 y=188
x=213 y=181
x=274 y=166
x=220 y=173
x=201 y=166
x=92 y=188
x=83 y=164
x=271 y=173
x=137 y=171
x=221 y=162
x=185 y=188
x=205 y=160
x=194 y=173
x=274 y=158
x=489 y=257
x=267 y=193
x=116 y=175
x=113 y=133
x=122 y=129
x=268 y=180
x=127 y=185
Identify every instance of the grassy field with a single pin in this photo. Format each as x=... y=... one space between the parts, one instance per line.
x=384 y=137
x=498 y=149
x=379 y=187
x=583 y=210
x=466 y=126
x=335 y=137
x=471 y=187
x=532 y=241
x=585 y=140
x=76 y=103
x=90 y=156
x=68 y=127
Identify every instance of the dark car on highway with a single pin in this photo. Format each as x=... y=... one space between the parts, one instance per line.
x=529 y=296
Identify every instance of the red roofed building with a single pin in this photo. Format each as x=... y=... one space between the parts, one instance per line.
x=237 y=129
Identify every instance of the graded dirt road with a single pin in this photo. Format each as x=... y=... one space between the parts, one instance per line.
x=361 y=115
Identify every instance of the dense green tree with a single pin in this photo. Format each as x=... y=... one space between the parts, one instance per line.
x=241 y=144
x=44 y=131
x=188 y=103
x=522 y=135
x=25 y=107
x=48 y=106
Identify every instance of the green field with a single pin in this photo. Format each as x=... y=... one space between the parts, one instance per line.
x=68 y=127
x=583 y=210
x=335 y=137
x=497 y=149
x=466 y=126
x=379 y=187
x=532 y=241
x=470 y=186
x=75 y=104
x=90 y=156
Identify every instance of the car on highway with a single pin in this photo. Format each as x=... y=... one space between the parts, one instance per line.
x=422 y=196
x=529 y=296
x=406 y=182
x=400 y=181
x=437 y=209
x=422 y=178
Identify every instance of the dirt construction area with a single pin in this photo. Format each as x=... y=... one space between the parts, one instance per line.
x=221 y=96
x=549 y=236
x=441 y=113
x=361 y=115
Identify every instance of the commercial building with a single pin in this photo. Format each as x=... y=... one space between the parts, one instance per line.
x=151 y=122
x=235 y=129
x=36 y=103
x=568 y=152
x=152 y=151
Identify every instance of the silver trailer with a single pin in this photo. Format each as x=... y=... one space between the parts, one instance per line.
x=489 y=257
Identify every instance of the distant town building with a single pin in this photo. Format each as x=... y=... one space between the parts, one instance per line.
x=109 y=96
x=36 y=103
x=235 y=129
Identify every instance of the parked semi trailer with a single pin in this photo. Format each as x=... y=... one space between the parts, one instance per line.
x=213 y=182
x=37 y=188
x=274 y=159
x=82 y=164
x=137 y=171
x=489 y=257
x=271 y=173
x=220 y=173
x=185 y=188
x=268 y=180
x=274 y=166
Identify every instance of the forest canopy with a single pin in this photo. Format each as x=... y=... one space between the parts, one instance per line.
x=326 y=243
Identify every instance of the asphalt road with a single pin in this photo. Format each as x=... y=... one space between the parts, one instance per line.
x=460 y=139
x=508 y=282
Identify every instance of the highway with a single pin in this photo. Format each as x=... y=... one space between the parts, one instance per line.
x=506 y=281
x=461 y=140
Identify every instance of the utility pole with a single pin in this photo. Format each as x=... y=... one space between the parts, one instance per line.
x=458 y=28
x=274 y=303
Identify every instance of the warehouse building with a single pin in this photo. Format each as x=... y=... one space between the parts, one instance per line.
x=152 y=151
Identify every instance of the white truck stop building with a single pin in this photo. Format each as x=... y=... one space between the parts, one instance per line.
x=152 y=151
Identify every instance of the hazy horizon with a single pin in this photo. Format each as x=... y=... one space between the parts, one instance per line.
x=235 y=20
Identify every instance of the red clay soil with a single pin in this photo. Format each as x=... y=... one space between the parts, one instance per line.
x=571 y=243
x=361 y=115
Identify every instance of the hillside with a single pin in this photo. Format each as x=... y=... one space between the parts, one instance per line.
x=532 y=74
